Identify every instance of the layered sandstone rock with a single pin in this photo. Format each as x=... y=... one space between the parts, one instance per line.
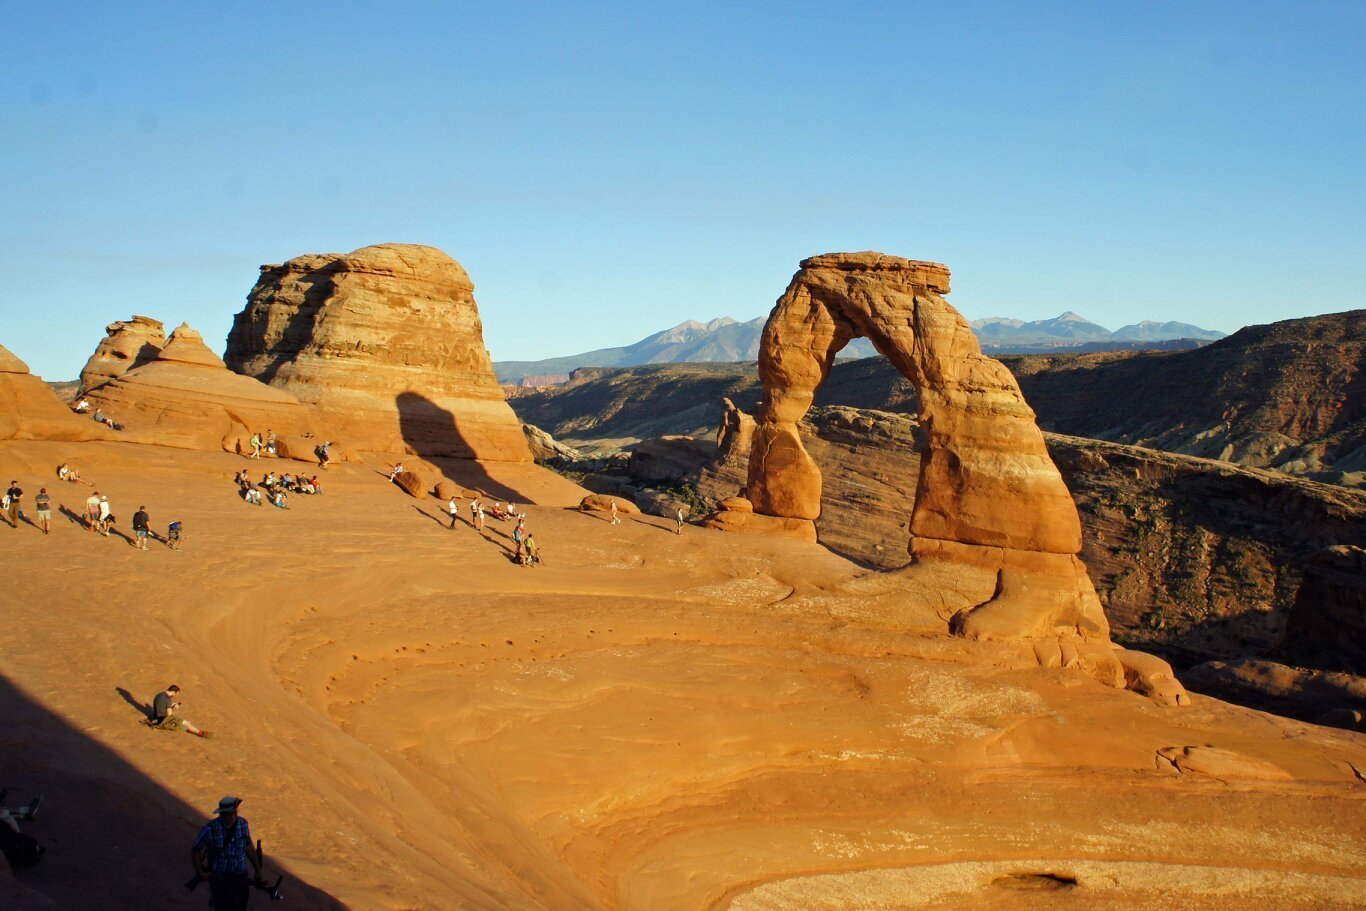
x=735 y=436
x=30 y=410
x=387 y=343
x=187 y=398
x=989 y=498
x=127 y=344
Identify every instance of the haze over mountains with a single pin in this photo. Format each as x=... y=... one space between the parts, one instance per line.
x=727 y=340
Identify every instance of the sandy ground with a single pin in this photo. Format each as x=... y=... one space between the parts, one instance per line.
x=648 y=721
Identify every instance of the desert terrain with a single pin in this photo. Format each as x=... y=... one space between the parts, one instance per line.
x=645 y=721
x=724 y=714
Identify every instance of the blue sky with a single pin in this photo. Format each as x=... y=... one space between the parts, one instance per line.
x=607 y=170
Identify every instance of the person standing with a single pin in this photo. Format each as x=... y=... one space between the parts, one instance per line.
x=616 y=520
x=43 y=504
x=680 y=521
x=92 y=511
x=222 y=854
x=453 y=507
x=141 y=528
x=14 y=495
x=529 y=549
x=106 y=513
x=479 y=517
x=270 y=442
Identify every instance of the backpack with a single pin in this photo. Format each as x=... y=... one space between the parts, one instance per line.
x=18 y=848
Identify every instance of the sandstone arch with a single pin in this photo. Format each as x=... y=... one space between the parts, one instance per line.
x=989 y=496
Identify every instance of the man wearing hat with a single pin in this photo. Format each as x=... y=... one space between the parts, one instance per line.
x=221 y=854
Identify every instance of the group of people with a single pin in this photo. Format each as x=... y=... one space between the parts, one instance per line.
x=277 y=488
x=99 y=514
x=12 y=503
x=524 y=542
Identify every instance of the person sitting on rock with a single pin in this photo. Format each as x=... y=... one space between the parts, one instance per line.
x=165 y=715
x=253 y=496
x=287 y=480
x=10 y=816
x=397 y=470
x=175 y=535
x=83 y=405
x=281 y=499
x=498 y=511
x=317 y=485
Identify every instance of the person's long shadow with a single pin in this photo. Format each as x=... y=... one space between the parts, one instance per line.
x=83 y=780
x=445 y=523
x=132 y=700
x=72 y=516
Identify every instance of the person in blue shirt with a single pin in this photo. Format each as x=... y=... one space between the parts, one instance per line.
x=221 y=855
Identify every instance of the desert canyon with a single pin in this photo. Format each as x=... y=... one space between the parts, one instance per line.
x=895 y=660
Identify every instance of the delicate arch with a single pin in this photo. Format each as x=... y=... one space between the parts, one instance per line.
x=988 y=492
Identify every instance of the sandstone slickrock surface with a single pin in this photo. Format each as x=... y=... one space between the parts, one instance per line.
x=126 y=344
x=30 y=410
x=989 y=498
x=600 y=503
x=387 y=343
x=186 y=398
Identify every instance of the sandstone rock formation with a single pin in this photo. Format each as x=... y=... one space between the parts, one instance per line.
x=413 y=483
x=186 y=398
x=600 y=503
x=988 y=499
x=1323 y=697
x=735 y=436
x=127 y=344
x=387 y=343
x=30 y=410
x=545 y=448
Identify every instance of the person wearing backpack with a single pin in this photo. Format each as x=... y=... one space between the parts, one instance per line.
x=221 y=855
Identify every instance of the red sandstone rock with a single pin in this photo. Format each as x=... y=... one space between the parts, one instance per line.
x=988 y=495
x=187 y=398
x=596 y=502
x=446 y=488
x=387 y=343
x=413 y=483
x=126 y=345
x=30 y=410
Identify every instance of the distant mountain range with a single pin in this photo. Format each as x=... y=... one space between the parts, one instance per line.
x=728 y=340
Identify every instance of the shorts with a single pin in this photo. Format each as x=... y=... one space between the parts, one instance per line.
x=141 y=533
x=44 y=515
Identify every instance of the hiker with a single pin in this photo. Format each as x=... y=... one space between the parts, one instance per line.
x=63 y=471
x=220 y=855
x=255 y=446
x=92 y=511
x=100 y=417
x=175 y=534
x=616 y=520
x=43 y=504
x=479 y=516
x=106 y=516
x=398 y=470
x=324 y=456
x=518 y=534
x=83 y=405
x=317 y=485
x=270 y=442
x=513 y=513
x=453 y=507
x=280 y=499
x=164 y=717
x=141 y=528
x=19 y=849
x=529 y=550
x=680 y=521
x=253 y=496
x=13 y=497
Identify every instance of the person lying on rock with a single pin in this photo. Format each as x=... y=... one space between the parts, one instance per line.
x=165 y=715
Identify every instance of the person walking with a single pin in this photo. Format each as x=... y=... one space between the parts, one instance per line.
x=221 y=856
x=142 y=527
x=43 y=504
x=270 y=442
x=325 y=454
x=453 y=507
x=92 y=511
x=616 y=520
x=479 y=517
x=13 y=497
x=529 y=549
x=106 y=514
x=518 y=534
x=255 y=446
x=680 y=521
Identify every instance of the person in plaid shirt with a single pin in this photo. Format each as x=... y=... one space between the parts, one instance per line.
x=221 y=855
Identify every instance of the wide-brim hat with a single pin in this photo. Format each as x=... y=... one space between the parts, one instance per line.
x=228 y=805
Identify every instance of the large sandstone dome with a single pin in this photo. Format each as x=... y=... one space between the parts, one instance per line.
x=387 y=342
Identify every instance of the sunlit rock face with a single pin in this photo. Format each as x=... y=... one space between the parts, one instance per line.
x=387 y=342
x=988 y=498
x=30 y=410
x=127 y=344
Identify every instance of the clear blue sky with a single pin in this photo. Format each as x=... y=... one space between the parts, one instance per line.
x=607 y=170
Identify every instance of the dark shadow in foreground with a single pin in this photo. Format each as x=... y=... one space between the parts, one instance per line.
x=116 y=839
